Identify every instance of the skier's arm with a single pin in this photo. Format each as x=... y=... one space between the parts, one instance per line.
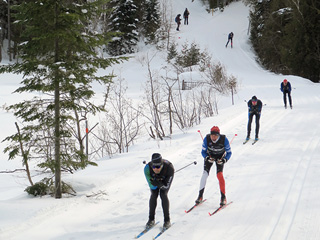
x=169 y=177
x=259 y=106
x=148 y=176
x=281 y=87
x=227 y=148
x=204 y=151
x=249 y=106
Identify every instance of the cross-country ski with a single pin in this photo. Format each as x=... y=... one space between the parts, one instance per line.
x=147 y=229
x=195 y=205
x=219 y=208
x=162 y=231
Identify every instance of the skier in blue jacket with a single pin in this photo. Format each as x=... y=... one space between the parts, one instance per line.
x=230 y=38
x=159 y=174
x=215 y=148
x=286 y=89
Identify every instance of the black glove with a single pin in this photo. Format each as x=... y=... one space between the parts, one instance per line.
x=209 y=159
x=156 y=182
x=222 y=161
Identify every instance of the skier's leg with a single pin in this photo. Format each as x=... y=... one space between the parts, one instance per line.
x=221 y=179
x=285 y=99
x=153 y=203
x=250 y=115
x=257 y=125
x=205 y=174
x=290 y=100
x=165 y=204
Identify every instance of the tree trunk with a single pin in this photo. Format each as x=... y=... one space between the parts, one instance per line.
x=25 y=158
x=58 y=188
x=9 y=32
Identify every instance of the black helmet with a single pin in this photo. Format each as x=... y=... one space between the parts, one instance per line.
x=156 y=159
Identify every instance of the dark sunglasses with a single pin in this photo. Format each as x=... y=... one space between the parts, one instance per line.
x=157 y=166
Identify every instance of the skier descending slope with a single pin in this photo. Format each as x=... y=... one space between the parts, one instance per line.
x=254 y=109
x=215 y=148
x=159 y=174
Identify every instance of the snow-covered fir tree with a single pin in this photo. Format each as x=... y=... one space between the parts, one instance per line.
x=151 y=20
x=123 y=22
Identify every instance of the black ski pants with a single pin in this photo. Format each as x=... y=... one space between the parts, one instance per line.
x=229 y=39
x=153 y=203
x=186 y=22
x=285 y=98
x=257 y=123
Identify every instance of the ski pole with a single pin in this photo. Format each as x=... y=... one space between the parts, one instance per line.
x=195 y=162
x=200 y=134
x=233 y=138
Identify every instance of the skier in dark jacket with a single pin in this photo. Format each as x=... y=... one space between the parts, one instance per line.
x=286 y=89
x=230 y=37
x=186 y=17
x=254 y=109
x=178 y=21
x=215 y=148
x=159 y=174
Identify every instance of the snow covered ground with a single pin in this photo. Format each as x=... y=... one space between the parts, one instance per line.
x=274 y=185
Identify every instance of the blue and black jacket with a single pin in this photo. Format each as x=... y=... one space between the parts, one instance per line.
x=285 y=88
x=216 y=149
x=254 y=109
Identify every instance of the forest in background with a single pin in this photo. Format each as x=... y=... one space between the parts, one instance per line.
x=285 y=33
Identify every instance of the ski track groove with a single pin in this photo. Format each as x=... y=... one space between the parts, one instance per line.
x=282 y=228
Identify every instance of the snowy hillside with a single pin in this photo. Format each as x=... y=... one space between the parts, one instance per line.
x=274 y=184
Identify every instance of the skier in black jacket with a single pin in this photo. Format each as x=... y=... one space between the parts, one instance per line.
x=178 y=21
x=186 y=16
x=254 y=109
x=159 y=174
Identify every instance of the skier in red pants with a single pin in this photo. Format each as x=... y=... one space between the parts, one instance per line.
x=215 y=148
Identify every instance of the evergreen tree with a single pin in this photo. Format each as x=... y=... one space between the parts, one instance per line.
x=140 y=10
x=151 y=20
x=59 y=61
x=124 y=22
x=303 y=40
x=286 y=36
x=258 y=18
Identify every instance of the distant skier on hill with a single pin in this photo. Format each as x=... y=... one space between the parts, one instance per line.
x=286 y=89
x=215 y=149
x=159 y=174
x=230 y=37
x=186 y=16
x=178 y=21
x=254 y=109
